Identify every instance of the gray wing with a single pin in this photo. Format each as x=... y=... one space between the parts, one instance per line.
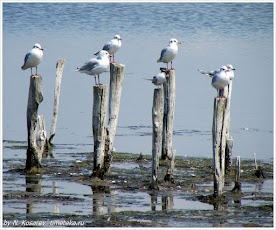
x=107 y=46
x=90 y=65
x=26 y=57
x=163 y=52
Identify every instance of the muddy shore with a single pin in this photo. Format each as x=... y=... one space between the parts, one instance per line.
x=124 y=199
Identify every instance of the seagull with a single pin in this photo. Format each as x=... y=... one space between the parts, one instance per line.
x=220 y=78
x=230 y=71
x=169 y=53
x=96 y=66
x=158 y=79
x=33 y=58
x=112 y=46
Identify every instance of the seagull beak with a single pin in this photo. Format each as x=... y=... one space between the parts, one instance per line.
x=178 y=42
x=41 y=49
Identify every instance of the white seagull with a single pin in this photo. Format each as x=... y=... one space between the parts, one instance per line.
x=220 y=78
x=113 y=46
x=96 y=66
x=33 y=58
x=158 y=79
x=169 y=53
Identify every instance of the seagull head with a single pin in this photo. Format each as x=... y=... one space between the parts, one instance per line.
x=174 y=41
x=224 y=68
x=103 y=53
x=118 y=37
x=37 y=46
x=230 y=67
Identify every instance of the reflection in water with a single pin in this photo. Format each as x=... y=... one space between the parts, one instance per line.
x=55 y=192
x=167 y=202
x=33 y=186
x=102 y=197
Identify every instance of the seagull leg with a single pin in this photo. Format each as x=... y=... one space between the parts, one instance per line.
x=31 y=71
x=113 y=57
x=99 y=79
x=95 y=80
x=36 y=70
x=171 y=65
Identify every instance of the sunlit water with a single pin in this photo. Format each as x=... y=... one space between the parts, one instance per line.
x=212 y=34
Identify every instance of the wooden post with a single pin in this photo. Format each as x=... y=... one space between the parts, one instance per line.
x=35 y=98
x=157 y=125
x=169 y=175
x=169 y=103
x=115 y=90
x=237 y=186
x=229 y=139
x=99 y=128
x=59 y=67
x=41 y=137
x=228 y=154
x=219 y=142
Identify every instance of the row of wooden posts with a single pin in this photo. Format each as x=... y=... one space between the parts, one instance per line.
x=104 y=133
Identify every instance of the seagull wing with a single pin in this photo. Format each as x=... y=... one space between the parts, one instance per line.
x=90 y=65
x=162 y=54
x=107 y=47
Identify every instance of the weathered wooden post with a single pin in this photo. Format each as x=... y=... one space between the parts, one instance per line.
x=41 y=137
x=169 y=175
x=115 y=91
x=219 y=143
x=169 y=103
x=99 y=128
x=229 y=139
x=35 y=98
x=237 y=187
x=59 y=67
x=157 y=125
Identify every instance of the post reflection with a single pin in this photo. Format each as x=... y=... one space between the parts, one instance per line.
x=166 y=201
x=33 y=187
x=102 y=200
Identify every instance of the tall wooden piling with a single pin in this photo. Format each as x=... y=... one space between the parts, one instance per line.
x=115 y=91
x=59 y=70
x=229 y=139
x=157 y=127
x=35 y=98
x=99 y=128
x=219 y=143
x=169 y=103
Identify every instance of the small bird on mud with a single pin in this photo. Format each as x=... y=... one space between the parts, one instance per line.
x=112 y=46
x=33 y=58
x=169 y=53
x=96 y=66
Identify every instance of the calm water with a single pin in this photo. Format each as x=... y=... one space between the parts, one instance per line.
x=212 y=34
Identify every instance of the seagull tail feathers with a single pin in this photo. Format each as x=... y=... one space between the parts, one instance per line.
x=204 y=72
